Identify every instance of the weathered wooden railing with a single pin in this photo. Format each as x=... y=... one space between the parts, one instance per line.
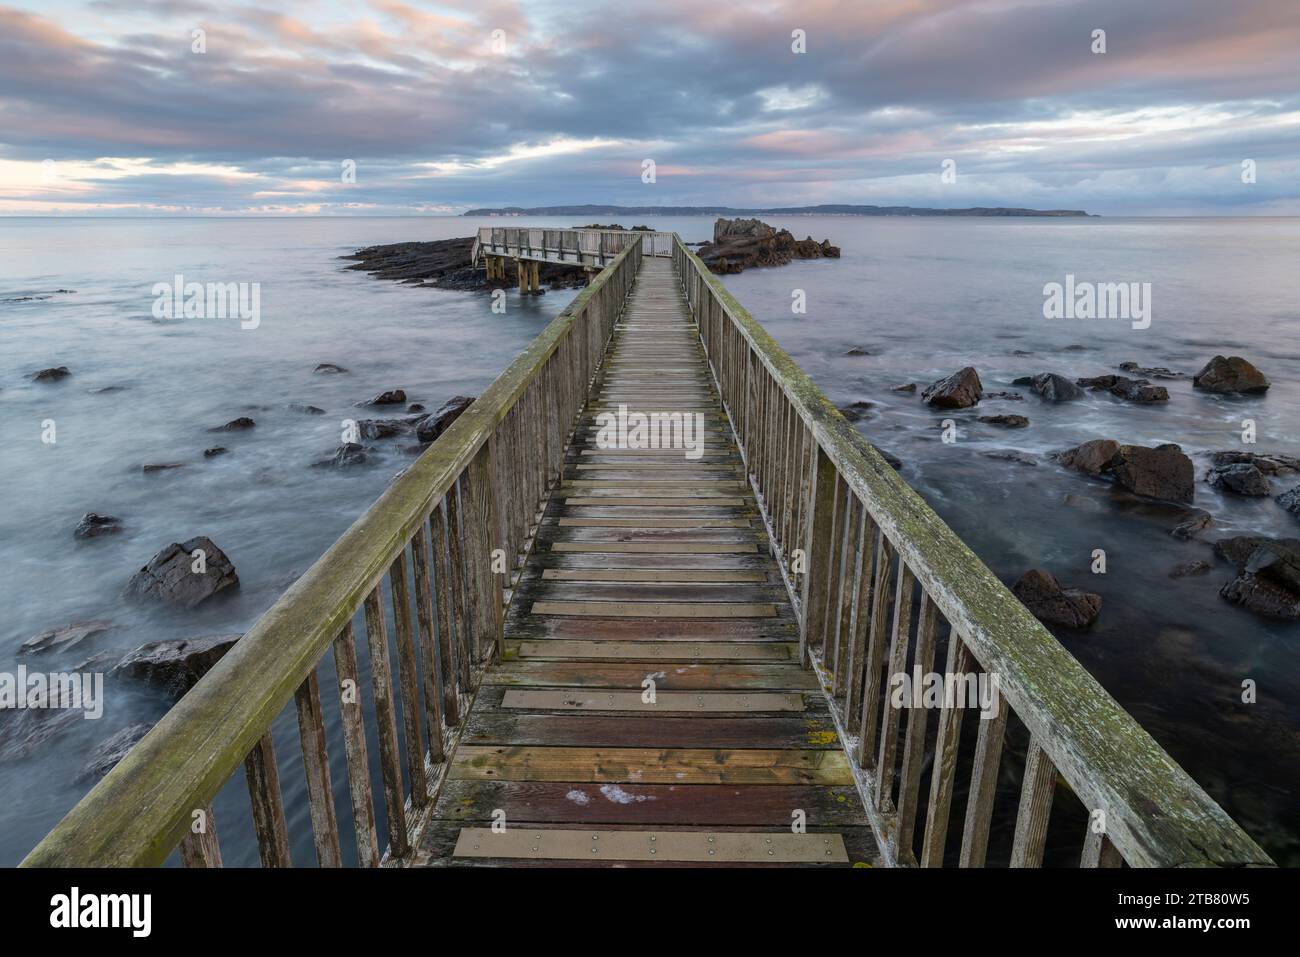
x=589 y=247
x=428 y=544
x=859 y=547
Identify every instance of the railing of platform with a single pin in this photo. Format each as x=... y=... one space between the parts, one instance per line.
x=578 y=246
x=416 y=570
x=880 y=582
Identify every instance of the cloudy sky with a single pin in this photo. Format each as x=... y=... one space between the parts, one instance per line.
x=114 y=106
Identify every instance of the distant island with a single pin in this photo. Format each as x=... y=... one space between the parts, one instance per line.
x=831 y=209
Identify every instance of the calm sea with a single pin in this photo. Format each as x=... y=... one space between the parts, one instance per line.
x=922 y=296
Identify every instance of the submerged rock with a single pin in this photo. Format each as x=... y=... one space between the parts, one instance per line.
x=174 y=666
x=93 y=525
x=391 y=397
x=349 y=455
x=1193 y=522
x=1049 y=601
x=857 y=351
x=1270 y=463
x=105 y=755
x=1268 y=579
x=1187 y=569
x=1011 y=455
x=1154 y=372
x=1239 y=479
x=894 y=461
x=856 y=411
x=51 y=375
x=66 y=637
x=155 y=467
x=1132 y=390
x=1230 y=375
x=170 y=576
x=1007 y=421
x=328 y=368
x=235 y=425
x=438 y=421
x=382 y=428
x=1052 y=387
x=213 y=452
x=1291 y=501
x=24 y=730
x=306 y=409
x=906 y=387
x=960 y=390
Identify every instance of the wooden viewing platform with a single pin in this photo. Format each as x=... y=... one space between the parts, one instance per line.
x=578 y=654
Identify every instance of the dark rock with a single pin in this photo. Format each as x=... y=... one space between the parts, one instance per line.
x=1186 y=569
x=1054 y=604
x=1262 y=597
x=306 y=409
x=213 y=452
x=235 y=425
x=326 y=368
x=1163 y=472
x=92 y=525
x=1154 y=372
x=168 y=576
x=348 y=455
x=1052 y=387
x=1011 y=455
x=1268 y=576
x=25 y=730
x=1133 y=390
x=154 y=467
x=108 y=390
x=110 y=751
x=392 y=397
x=65 y=638
x=1091 y=458
x=1239 y=548
x=856 y=411
x=1193 y=522
x=1239 y=479
x=99 y=661
x=908 y=387
x=857 y=352
x=438 y=421
x=1008 y=421
x=960 y=390
x=445 y=264
x=50 y=375
x=1230 y=375
x=894 y=461
x=1011 y=396
x=739 y=244
x=1270 y=463
x=1291 y=501
x=382 y=428
x=416 y=407
x=174 y=666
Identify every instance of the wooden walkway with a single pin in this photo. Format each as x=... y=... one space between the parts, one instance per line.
x=650 y=570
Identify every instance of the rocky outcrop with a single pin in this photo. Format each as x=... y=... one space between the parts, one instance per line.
x=1051 y=602
x=1006 y=421
x=241 y=424
x=1270 y=463
x=739 y=244
x=1151 y=372
x=170 y=576
x=438 y=421
x=1268 y=578
x=1188 y=569
x=306 y=409
x=960 y=390
x=348 y=455
x=1052 y=387
x=174 y=666
x=1230 y=375
x=65 y=638
x=1291 y=501
x=1162 y=472
x=445 y=264
x=23 y=731
x=856 y=411
x=329 y=368
x=1090 y=458
x=105 y=755
x=1240 y=478
x=1131 y=390
x=383 y=428
x=1192 y=523
x=93 y=525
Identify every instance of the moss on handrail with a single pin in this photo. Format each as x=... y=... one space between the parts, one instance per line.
x=1156 y=814
x=142 y=808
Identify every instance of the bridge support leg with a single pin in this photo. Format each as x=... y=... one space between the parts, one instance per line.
x=537 y=285
x=522 y=269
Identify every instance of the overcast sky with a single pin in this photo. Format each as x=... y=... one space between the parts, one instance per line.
x=106 y=107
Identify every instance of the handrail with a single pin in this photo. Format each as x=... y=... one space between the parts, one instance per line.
x=472 y=492
x=826 y=492
x=580 y=246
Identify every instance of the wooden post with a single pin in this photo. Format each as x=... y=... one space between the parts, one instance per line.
x=537 y=269
x=521 y=270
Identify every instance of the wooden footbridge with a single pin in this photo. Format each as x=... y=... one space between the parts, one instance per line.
x=585 y=652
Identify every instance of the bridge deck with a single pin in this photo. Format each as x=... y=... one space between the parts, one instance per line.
x=648 y=565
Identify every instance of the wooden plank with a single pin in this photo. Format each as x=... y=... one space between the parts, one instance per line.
x=897 y=666
x=809 y=729
x=381 y=683
x=655 y=575
x=660 y=846
x=658 y=650
x=656 y=609
x=682 y=522
x=268 y=806
x=584 y=699
x=927 y=628
x=983 y=787
x=945 y=761
x=652 y=765
x=1036 y=792
x=408 y=679
x=658 y=548
x=316 y=768
x=1098 y=851
x=670 y=676
x=354 y=739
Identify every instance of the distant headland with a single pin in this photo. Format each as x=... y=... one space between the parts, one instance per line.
x=830 y=209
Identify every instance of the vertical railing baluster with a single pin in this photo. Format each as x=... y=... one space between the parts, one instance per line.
x=316 y=768
x=945 y=757
x=455 y=543
x=1036 y=792
x=1098 y=851
x=909 y=784
x=875 y=656
x=847 y=580
x=202 y=849
x=390 y=760
x=897 y=666
x=354 y=740
x=428 y=656
x=983 y=787
x=408 y=679
x=817 y=551
x=268 y=806
x=834 y=571
x=855 y=665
